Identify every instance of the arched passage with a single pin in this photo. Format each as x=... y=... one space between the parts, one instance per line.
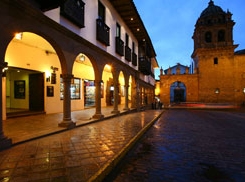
x=108 y=87
x=33 y=75
x=83 y=85
x=121 y=85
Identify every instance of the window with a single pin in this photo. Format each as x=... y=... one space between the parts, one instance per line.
x=102 y=30
x=118 y=31
x=133 y=47
x=74 y=11
x=101 y=11
x=75 y=88
x=89 y=93
x=128 y=51
x=215 y=60
x=208 y=37
x=119 y=42
x=126 y=39
x=221 y=36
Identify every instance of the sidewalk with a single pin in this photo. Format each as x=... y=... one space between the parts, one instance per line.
x=21 y=129
x=85 y=153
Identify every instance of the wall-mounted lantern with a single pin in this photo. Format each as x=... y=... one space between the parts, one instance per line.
x=217 y=91
x=81 y=57
x=4 y=67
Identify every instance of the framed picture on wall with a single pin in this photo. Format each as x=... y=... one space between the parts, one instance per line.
x=19 y=89
x=50 y=91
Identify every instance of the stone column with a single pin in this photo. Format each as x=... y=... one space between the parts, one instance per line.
x=115 y=96
x=67 y=121
x=5 y=142
x=126 y=108
x=138 y=97
x=98 y=114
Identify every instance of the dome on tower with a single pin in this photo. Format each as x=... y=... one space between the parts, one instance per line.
x=211 y=10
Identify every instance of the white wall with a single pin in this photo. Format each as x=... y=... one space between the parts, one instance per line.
x=89 y=31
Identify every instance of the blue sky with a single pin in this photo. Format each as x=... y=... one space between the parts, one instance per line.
x=170 y=24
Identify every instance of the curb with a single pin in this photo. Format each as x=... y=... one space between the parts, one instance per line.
x=108 y=167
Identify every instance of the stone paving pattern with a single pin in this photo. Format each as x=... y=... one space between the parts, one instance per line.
x=21 y=129
x=74 y=155
x=188 y=146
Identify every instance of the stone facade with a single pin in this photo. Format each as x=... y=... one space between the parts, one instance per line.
x=219 y=71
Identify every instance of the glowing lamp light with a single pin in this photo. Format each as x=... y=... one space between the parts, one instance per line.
x=18 y=36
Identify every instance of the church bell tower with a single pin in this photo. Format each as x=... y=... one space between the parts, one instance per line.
x=213 y=53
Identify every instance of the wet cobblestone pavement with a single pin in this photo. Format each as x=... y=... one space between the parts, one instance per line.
x=188 y=146
x=80 y=154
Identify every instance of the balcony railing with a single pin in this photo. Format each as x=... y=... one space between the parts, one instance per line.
x=145 y=65
x=46 y=5
x=119 y=46
x=102 y=32
x=134 y=59
x=73 y=11
x=128 y=56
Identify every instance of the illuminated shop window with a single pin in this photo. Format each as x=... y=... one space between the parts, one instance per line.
x=89 y=93
x=75 y=88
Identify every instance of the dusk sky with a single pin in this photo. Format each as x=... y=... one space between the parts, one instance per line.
x=170 y=25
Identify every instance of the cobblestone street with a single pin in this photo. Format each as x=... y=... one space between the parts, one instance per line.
x=85 y=153
x=186 y=146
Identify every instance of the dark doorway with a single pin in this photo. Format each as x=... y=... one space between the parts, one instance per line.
x=36 y=92
x=179 y=95
x=177 y=92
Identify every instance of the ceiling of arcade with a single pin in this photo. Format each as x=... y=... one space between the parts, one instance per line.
x=35 y=42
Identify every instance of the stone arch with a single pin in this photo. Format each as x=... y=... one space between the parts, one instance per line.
x=107 y=78
x=121 y=85
x=33 y=57
x=177 y=92
x=189 y=80
x=128 y=87
x=83 y=85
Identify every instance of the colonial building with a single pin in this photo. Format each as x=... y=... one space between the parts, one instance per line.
x=217 y=74
x=66 y=55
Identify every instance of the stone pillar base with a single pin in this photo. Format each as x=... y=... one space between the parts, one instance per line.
x=5 y=143
x=115 y=112
x=67 y=124
x=126 y=109
x=98 y=116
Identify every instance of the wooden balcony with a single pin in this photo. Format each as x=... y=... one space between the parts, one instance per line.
x=145 y=65
x=73 y=11
x=119 y=46
x=46 y=5
x=102 y=32
x=128 y=55
x=134 y=59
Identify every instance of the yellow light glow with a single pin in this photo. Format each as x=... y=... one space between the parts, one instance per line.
x=18 y=36
x=107 y=67
x=157 y=91
x=48 y=74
